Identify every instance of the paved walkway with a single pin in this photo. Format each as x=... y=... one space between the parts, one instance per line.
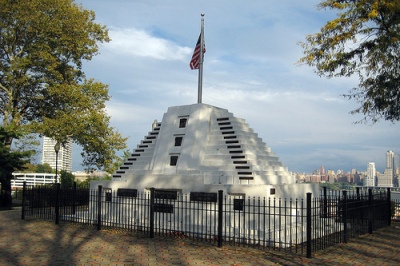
x=35 y=242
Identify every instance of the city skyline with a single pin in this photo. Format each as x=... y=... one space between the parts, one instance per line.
x=390 y=157
x=249 y=69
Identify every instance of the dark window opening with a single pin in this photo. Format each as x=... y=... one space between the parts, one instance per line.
x=242 y=167
x=233 y=146
x=173 y=160
x=272 y=191
x=239 y=162
x=178 y=141
x=182 y=122
x=108 y=194
x=244 y=173
x=246 y=178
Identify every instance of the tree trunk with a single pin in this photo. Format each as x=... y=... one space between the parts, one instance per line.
x=5 y=195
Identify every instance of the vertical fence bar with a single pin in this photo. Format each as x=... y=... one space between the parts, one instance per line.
x=23 y=200
x=389 y=206
x=325 y=215
x=370 y=218
x=344 y=216
x=308 y=224
x=220 y=213
x=74 y=199
x=57 y=208
x=99 y=193
x=151 y=212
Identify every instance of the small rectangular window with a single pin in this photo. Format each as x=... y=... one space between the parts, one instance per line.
x=272 y=191
x=173 y=160
x=178 y=141
x=108 y=194
x=182 y=122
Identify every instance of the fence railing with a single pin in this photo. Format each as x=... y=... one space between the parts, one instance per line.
x=295 y=225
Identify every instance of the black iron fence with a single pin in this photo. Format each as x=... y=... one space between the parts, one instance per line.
x=295 y=225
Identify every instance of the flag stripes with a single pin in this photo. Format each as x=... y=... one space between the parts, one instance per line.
x=195 y=62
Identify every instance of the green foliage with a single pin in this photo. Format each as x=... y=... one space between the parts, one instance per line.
x=86 y=182
x=363 y=40
x=43 y=88
x=118 y=162
x=337 y=186
x=37 y=168
x=393 y=207
x=66 y=179
x=44 y=168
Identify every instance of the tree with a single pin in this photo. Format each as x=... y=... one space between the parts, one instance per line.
x=118 y=162
x=67 y=179
x=44 y=168
x=43 y=88
x=9 y=162
x=363 y=40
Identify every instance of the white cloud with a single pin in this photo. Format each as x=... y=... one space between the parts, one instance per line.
x=142 y=44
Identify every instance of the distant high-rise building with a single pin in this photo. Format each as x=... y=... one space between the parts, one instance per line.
x=398 y=165
x=390 y=159
x=385 y=179
x=64 y=160
x=388 y=174
x=369 y=180
x=322 y=170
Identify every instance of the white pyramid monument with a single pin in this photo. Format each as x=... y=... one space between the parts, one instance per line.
x=203 y=148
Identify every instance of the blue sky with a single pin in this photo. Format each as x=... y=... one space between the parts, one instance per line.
x=249 y=68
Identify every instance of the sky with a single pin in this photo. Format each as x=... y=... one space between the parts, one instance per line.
x=250 y=69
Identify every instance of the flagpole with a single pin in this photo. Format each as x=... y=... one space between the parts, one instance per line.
x=200 y=87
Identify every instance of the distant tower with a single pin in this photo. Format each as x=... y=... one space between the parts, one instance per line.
x=390 y=164
x=64 y=155
x=398 y=165
x=390 y=159
x=369 y=180
x=322 y=170
x=386 y=179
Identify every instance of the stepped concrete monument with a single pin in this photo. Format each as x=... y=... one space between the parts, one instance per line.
x=204 y=148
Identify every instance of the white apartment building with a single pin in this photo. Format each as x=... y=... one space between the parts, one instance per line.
x=32 y=179
x=369 y=180
x=64 y=160
x=385 y=179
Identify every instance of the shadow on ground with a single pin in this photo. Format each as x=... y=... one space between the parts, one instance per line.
x=36 y=242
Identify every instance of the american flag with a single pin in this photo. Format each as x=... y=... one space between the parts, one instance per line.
x=195 y=62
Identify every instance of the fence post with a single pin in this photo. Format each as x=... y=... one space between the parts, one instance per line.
x=344 y=216
x=99 y=193
x=370 y=218
x=152 y=212
x=57 y=203
x=23 y=200
x=220 y=214
x=358 y=193
x=325 y=204
x=389 y=207
x=308 y=225
x=74 y=199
